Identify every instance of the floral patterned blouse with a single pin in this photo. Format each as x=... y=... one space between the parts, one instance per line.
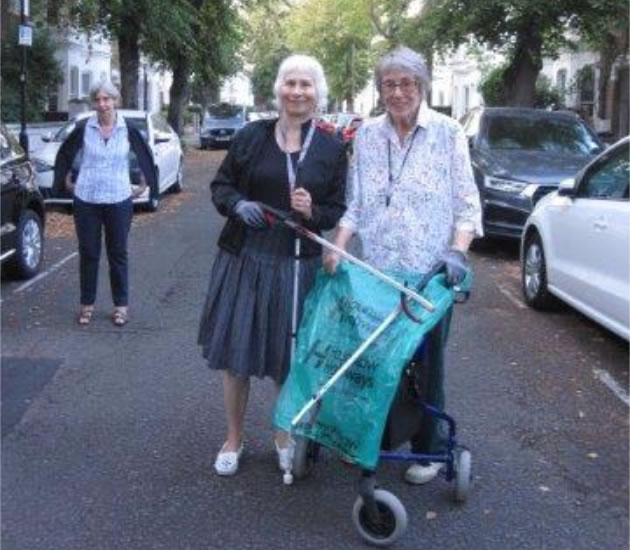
x=406 y=200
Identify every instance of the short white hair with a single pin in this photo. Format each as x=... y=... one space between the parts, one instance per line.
x=304 y=64
x=106 y=87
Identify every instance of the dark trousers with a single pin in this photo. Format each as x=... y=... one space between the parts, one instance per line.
x=89 y=220
x=429 y=359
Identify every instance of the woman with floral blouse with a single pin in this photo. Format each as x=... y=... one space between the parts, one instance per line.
x=413 y=202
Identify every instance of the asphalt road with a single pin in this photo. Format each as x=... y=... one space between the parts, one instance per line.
x=108 y=434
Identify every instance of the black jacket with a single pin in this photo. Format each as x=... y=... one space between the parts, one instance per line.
x=74 y=142
x=322 y=174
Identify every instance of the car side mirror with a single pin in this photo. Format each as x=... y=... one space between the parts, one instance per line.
x=47 y=137
x=566 y=188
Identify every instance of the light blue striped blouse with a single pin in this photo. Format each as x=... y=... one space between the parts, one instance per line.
x=104 y=174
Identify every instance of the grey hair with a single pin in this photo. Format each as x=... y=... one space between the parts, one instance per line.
x=405 y=59
x=310 y=66
x=106 y=87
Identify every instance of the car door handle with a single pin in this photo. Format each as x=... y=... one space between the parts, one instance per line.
x=600 y=224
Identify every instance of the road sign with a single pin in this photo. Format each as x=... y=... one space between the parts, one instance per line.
x=25 y=37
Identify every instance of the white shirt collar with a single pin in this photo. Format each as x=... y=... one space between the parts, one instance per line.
x=422 y=121
x=120 y=121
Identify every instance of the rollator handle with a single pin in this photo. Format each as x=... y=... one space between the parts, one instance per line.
x=437 y=268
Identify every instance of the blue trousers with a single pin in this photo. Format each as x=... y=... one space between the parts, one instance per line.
x=90 y=220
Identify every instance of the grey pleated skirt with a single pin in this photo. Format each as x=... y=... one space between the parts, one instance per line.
x=246 y=320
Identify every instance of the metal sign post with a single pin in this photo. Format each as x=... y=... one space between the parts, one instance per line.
x=25 y=40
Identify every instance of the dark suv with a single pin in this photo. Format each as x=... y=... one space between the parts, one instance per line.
x=23 y=217
x=519 y=155
x=220 y=124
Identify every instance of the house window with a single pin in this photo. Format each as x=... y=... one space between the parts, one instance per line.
x=561 y=83
x=53 y=102
x=74 y=82
x=86 y=82
x=586 y=84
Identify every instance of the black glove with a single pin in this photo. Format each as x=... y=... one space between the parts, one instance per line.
x=250 y=213
x=457 y=266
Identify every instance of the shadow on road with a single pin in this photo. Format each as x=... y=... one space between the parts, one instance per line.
x=497 y=248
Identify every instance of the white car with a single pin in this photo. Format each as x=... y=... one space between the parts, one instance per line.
x=163 y=142
x=576 y=243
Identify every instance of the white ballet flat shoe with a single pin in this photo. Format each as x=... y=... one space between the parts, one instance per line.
x=417 y=474
x=227 y=462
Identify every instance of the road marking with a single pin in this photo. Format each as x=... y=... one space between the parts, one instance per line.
x=605 y=378
x=508 y=294
x=49 y=271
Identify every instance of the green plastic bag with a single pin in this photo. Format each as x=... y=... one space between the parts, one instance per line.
x=340 y=313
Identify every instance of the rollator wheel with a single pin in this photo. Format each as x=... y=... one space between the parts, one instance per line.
x=463 y=474
x=393 y=520
x=304 y=454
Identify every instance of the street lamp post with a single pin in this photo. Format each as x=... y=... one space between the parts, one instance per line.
x=24 y=40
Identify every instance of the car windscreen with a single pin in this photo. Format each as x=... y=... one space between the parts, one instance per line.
x=554 y=135
x=66 y=129
x=140 y=124
x=225 y=110
x=64 y=132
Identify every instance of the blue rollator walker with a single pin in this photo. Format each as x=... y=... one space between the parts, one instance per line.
x=378 y=515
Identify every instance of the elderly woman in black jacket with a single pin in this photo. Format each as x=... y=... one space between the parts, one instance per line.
x=290 y=164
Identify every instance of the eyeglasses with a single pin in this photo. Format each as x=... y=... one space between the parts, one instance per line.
x=406 y=85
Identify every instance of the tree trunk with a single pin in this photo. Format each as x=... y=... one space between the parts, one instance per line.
x=616 y=45
x=519 y=79
x=129 y=53
x=179 y=94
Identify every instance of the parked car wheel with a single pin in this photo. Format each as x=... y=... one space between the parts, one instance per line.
x=534 y=275
x=153 y=204
x=177 y=186
x=29 y=251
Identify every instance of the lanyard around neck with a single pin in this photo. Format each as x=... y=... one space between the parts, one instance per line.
x=391 y=180
x=291 y=172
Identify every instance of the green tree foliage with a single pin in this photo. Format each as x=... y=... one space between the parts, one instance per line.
x=131 y=24
x=201 y=55
x=43 y=75
x=196 y=39
x=338 y=33
x=495 y=94
x=610 y=37
x=266 y=47
x=526 y=30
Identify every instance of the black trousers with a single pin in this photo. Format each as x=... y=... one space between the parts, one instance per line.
x=90 y=219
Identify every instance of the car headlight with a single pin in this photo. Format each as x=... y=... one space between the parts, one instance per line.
x=42 y=166
x=507 y=186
